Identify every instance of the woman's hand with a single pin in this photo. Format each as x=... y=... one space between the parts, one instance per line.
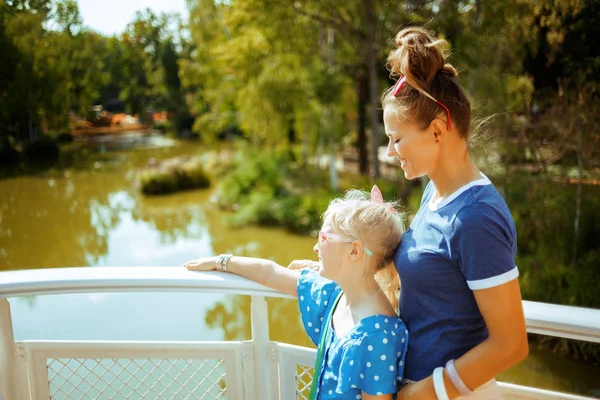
x=202 y=264
x=301 y=264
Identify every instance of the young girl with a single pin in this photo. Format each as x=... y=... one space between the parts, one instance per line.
x=460 y=294
x=361 y=341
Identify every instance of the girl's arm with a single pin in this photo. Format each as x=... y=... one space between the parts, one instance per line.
x=301 y=264
x=265 y=272
x=506 y=345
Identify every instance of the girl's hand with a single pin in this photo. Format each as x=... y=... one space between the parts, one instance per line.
x=301 y=264
x=202 y=264
x=421 y=390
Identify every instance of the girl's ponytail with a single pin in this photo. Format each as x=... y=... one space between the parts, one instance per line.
x=388 y=280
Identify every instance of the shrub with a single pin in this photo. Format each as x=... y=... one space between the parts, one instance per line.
x=302 y=214
x=157 y=182
x=249 y=170
x=173 y=175
x=42 y=152
x=260 y=208
x=9 y=156
x=64 y=137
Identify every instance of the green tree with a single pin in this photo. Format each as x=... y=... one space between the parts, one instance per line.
x=52 y=71
x=145 y=65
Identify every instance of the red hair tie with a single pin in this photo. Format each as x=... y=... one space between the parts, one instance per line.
x=402 y=82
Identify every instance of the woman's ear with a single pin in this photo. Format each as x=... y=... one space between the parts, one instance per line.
x=438 y=129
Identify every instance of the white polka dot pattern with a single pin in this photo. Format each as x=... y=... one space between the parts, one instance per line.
x=369 y=358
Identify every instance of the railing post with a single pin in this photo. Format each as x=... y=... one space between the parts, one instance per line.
x=260 y=339
x=13 y=384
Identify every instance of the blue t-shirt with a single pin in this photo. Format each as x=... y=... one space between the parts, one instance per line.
x=466 y=242
x=369 y=358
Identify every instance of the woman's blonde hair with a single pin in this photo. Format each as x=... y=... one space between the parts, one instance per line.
x=420 y=57
x=379 y=226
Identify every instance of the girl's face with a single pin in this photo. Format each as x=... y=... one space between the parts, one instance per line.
x=331 y=248
x=415 y=148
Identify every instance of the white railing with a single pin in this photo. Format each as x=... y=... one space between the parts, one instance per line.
x=255 y=369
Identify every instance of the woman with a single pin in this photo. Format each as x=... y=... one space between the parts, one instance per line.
x=460 y=296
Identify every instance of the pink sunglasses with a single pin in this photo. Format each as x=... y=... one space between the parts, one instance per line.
x=339 y=238
x=402 y=82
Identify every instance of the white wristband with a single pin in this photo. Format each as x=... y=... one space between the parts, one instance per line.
x=438 y=384
x=456 y=380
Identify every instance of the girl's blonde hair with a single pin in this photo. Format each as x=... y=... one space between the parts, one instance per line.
x=421 y=58
x=379 y=226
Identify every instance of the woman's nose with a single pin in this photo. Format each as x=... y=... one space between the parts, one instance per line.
x=316 y=248
x=391 y=151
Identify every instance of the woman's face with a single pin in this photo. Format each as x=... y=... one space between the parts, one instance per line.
x=415 y=148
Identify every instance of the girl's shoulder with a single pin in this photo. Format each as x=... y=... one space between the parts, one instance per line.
x=373 y=355
x=312 y=285
x=380 y=325
x=377 y=332
x=316 y=296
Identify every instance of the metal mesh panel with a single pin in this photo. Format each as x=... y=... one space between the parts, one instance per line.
x=133 y=379
x=304 y=377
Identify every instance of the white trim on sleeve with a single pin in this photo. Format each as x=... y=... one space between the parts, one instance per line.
x=494 y=280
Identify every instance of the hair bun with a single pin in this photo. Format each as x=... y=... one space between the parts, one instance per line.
x=450 y=71
x=419 y=56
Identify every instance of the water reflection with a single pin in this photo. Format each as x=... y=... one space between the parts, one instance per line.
x=156 y=235
x=48 y=222
x=233 y=315
x=143 y=139
x=115 y=316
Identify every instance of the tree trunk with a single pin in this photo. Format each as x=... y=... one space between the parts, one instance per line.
x=305 y=146
x=29 y=114
x=577 y=218
x=478 y=11
x=362 y=96
x=333 y=172
x=319 y=151
x=371 y=52
x=291 y=132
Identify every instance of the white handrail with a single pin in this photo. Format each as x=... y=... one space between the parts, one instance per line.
x=563 y=321
x=125 y=279
x=543 y=318
x=548 y=319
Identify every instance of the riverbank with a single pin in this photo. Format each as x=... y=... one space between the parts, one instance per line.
x=109 y=130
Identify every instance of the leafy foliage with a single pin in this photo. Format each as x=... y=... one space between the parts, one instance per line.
x=266 y=188
x=172 y=176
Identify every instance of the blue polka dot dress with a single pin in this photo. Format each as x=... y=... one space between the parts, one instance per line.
x=369 y=358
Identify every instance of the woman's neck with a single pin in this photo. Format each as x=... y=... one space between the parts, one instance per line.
x=454 y=171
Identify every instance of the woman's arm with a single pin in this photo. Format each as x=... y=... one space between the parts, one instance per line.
x=265 y=272
x=506 y=345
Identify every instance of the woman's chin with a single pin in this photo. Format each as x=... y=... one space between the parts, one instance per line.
x=410 y=175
